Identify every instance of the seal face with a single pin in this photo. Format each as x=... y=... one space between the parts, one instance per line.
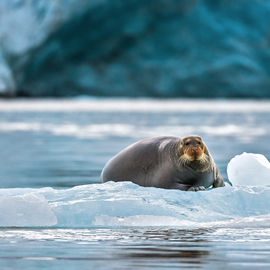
x=192 y=148
x=165 y=162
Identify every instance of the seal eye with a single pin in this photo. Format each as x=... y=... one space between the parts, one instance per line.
x=187 y=143
x=199 y=143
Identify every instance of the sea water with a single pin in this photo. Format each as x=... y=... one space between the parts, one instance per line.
x=55 y=213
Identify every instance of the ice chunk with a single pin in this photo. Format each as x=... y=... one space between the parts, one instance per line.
x=126 y=204
x=25 y=210
x=249 y=169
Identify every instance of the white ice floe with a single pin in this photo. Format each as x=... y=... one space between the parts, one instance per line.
x=249 y=169
x=126 y=204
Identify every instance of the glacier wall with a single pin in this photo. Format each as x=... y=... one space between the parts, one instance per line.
x=157 y=48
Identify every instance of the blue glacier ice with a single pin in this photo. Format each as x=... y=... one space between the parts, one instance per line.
x=7 y=83
x=126 y=204
x=133 y=48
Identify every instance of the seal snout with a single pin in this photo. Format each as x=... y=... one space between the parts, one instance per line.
x=192 y=148
x=194 y=153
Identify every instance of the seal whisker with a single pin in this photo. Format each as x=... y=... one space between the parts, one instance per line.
x=203 y=159
x=183 y=160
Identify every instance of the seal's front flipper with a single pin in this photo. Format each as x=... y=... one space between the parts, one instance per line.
x=186 y=187
x=218 y=180
x=196 y=188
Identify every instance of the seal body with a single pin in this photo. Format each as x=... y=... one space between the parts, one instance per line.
x=165 y=162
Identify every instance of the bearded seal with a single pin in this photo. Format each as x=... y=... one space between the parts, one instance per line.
x=165 y=162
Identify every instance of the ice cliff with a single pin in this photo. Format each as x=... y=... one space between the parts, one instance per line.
x=159 y=48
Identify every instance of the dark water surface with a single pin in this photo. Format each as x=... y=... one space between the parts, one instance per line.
x=135 y=248
x=65 y=143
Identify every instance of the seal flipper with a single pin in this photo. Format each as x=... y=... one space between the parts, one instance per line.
x=218 y=180
x=194 y=188
x=186 y=187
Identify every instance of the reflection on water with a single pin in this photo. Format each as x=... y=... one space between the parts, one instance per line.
x=144 y=248
x=122 y=248
x=176 y=247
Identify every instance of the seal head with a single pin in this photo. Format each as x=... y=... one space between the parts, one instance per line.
x=195 y=162
x=193 y=152
x=192 y=148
